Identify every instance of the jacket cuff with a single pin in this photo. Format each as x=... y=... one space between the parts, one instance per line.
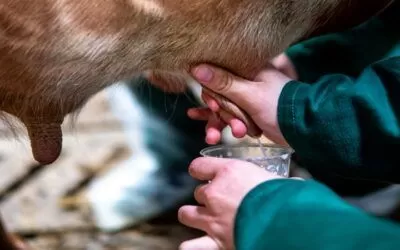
x=291 y=113
x=299 y=56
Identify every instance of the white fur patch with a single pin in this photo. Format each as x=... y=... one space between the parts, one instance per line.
x=148 y=6
x=83 y=42
x=91 y=45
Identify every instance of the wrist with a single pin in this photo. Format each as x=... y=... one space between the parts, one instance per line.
x=290 y=107
x=268 y=115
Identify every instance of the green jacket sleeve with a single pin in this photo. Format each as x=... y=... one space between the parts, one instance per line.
x=347 y=126
x=293 y=215
x=347 y=52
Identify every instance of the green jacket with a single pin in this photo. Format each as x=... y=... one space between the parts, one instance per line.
x=343 y=117
x=304 y=215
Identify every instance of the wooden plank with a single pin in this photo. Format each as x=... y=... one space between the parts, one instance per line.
x=15 y=161
x=34 y=207
x=30 y=194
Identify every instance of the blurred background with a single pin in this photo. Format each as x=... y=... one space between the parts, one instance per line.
x=123 y=174
x=120 y=179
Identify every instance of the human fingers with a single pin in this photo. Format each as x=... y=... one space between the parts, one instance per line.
x=222 y=82
x=213 y=129
x=210 y=101
x=201 y=243
x=195 y=217
x=199 y=193
x=206 y=168
x=200 y=114
x=238 y=127
x=230 y=93
x=283 y=63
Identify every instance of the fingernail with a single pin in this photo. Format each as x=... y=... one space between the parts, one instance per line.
x=203 y=74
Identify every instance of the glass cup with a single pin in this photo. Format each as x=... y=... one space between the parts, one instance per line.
x=271 y=157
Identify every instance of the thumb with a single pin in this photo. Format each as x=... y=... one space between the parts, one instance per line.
x=231 y=92
x=222 y=82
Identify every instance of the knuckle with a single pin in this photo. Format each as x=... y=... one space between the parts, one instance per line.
x=209 y=193
x=214 y=228
x=199 y=191
x=227 y=168
x=225 y=81
x=229 y=165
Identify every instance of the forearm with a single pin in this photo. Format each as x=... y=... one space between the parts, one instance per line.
x=348 y=126
x=290 y=215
